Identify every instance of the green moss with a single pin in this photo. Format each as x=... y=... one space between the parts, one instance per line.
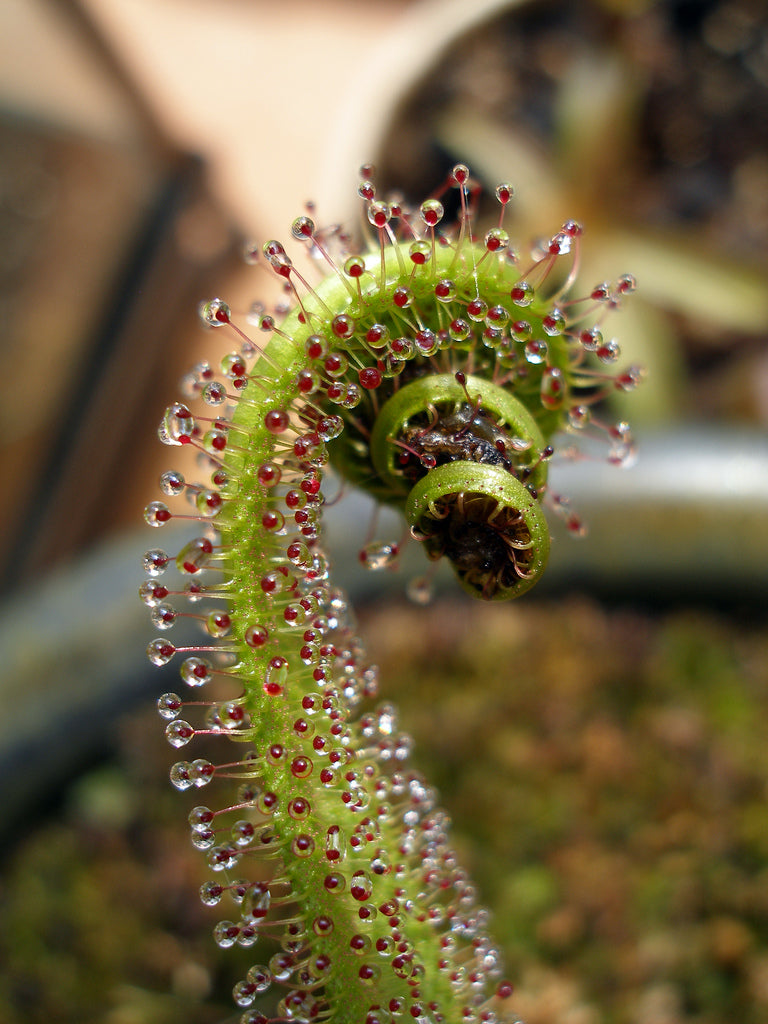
x=607 y=772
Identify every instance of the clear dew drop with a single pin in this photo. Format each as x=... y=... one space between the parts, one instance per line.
x=222 y=858
x=201 y=772
x=535 y=351
x=232 y=716
x=492 y=338
x=303 y=228
x=522 y=293
x=379 y=555
x=276 y=676
x=504 y=192
x=169 y=705
x=520 y=444
x=576 y=527
x=354 y=267
x=366 y=189
x=200 y=818
x=591 y=339
x=211 y=893
x=155 y=562
x=194 y=592
x=477 y=310
x=420 y=252
x=369 y=975
x=152 y=593
x=181 y=776
x=196 y=671
x=330 y=427
x=203 y=839
x=554 y=323
x=260 y=977
x=160 y=651
x=215 y=313
x=609 y=351
x=353 y=396
x=256 y=312
x=497 y=317
x=361 y=886
x=336 y=365
x=427 y=342
x=445 y=290
x=208 y=502
x=243 y=994
x=251 y=252
x=432 y=212
x=225 y=934
x=377 y=336
x=579 y=416
x=172 y=483
x=231 y=366
x=420 y=590
x=496 y=240
x=623 y=455
x=156 y=514
x=239 y=889
x=163 y=616
x=521 y=330
x=177 y=423
x=243 y=832
x=387 y=719
x=560 y=244
x=630 y=378
x=248 y=937
x=460 y=174
x=459 y=330
x=258 y=902
x=378 y=213
x=553 y=388
x=626 y=284
x=218 y=624
x=299 y=555
x=194 y=555
x=214 y=393
x=179 y=733
x=403 y=747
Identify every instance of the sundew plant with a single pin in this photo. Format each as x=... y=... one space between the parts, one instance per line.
x=437 y=371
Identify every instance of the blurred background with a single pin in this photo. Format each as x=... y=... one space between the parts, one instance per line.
x=142 y=142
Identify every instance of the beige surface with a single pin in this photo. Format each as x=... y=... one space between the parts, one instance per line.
x=280 y=98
